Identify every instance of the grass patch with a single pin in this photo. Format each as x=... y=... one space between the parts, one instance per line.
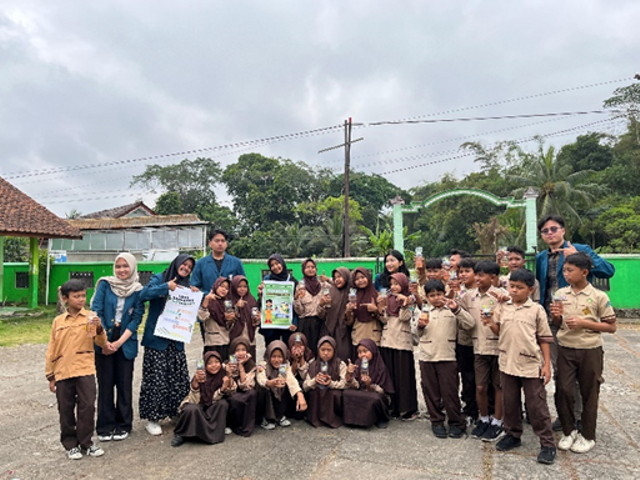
x=29 y=329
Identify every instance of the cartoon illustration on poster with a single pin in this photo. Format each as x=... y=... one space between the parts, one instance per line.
x=277 y=305
x=179 y=315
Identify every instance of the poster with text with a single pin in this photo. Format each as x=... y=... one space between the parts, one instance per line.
x=179 y=315
x=277 y=305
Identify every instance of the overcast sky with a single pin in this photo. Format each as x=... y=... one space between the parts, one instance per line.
x=93 y=82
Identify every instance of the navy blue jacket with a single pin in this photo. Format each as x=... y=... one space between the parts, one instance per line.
x=601 y=268
x=104 y=304
x=156 y=293
x=206 y=272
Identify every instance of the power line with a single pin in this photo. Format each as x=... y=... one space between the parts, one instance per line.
x=456 y=157
x=277 y=138
x=523 y=97
x=489 y=117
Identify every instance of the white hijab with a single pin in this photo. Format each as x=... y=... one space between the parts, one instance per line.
x=128 y=286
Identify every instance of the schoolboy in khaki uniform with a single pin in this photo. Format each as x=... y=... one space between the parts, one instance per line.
x=438 y=328
x=480 y=302
x=464 y=347
x=582 y=312
x=525 y=363
x=516 y=259
x=70 y=369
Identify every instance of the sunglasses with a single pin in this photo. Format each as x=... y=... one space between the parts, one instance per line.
x=546 y=231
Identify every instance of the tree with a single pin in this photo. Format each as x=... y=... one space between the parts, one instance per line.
x=169 y=203
x=267 y=190
x=628 y=99
x=588 y=152
x=194 y=181
x=496 y=157
x=16 y=249
x=489 y=235
x=621 y=226
x=560 y=190
x=73 y=214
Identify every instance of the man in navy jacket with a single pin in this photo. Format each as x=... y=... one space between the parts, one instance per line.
x=219 y=264
x=549 y=265
x=551 y=228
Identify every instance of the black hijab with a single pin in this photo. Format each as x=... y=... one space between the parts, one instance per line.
x=172 y=272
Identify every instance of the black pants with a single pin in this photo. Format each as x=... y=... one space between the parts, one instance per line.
x=115 y=410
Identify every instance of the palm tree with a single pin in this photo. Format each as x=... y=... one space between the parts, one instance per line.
x=560 y=189
x=296 y=239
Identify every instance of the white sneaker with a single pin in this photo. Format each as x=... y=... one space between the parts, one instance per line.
x=154 y=428
x=228 y=431
x=119 y=435
x=582 y=445
x=74 y=454
x=284 y=422
x=267 y=425
x=567 y=441
x=105 y=438
x=95 y=451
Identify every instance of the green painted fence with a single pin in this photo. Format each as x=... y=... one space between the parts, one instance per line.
x=622 y=287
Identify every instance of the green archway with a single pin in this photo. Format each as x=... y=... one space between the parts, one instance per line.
x=528 y=202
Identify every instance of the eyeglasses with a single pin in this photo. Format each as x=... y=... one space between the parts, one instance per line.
x=546 y=231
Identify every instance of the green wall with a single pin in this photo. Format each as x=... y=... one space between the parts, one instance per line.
x=623 y=292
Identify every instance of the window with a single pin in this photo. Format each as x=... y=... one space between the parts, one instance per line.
x=145 y=276
x=22 y=279
x=85 y=277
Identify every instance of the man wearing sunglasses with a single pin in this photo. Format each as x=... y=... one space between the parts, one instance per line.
x=549 y=262
x=549 y=265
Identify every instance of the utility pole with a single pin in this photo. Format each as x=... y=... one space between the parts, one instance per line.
x=347 y=161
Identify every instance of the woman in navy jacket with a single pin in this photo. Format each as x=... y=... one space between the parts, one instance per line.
x=116 y=302
x=165 y=376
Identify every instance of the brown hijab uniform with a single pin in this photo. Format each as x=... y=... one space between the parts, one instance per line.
x=243 y=326
x=325 y=403
x=334 y=315
x=244 y=401
x=400 y=363
x=207 y=419
x=365 y=407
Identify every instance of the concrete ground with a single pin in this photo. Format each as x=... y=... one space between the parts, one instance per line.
x=30 y=449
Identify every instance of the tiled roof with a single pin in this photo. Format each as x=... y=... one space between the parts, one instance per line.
x=154 y=221
x=21 y=215
x=118 y=212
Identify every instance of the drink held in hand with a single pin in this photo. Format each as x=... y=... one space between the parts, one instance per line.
x=91 y=326
x=200 y=364
x=364 y=367
x=301 y=284
x=352 y=295
x=282 y=370
x=326 y=290
x=228 y=305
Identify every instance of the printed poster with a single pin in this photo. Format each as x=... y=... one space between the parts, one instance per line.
x=277 y=305
x=179 y=315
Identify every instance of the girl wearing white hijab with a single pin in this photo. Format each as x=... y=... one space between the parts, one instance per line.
x=116 y=302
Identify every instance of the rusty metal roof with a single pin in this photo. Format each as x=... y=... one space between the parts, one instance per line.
x=22 y=216
x=118 y=212
x=155 y=221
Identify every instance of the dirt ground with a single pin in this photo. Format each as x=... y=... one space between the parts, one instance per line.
x=30 y=447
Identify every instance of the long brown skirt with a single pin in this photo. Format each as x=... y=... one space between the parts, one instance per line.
x=242 y=412
x=206 y=423
x=402 y=369
x=271 y=407
x=363 y=408
x=324 y=407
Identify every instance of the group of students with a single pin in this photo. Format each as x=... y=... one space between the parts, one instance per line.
x=348 y=357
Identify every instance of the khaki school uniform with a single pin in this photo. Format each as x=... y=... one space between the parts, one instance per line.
x=580 y=357
x=522 y=329
x=215 y=335
x=535 y=296
x=438 y=366
x=485 y=342
x=361 y=330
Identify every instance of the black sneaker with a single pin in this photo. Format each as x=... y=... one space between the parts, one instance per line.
x=456 y=432
x=508 y=442
x=439 y=431
x=382 y=423
x=547 y=455
x=492 y=433
x=479 y=430
x=556 y=426
x=176 y=441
